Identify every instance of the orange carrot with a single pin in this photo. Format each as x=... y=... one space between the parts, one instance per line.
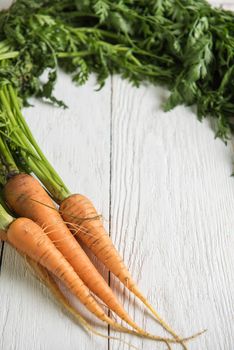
x=30 y=240
x=25 y=197
x=81 y=213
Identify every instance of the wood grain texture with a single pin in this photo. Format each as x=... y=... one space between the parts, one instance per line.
x=165 y=184
x=172 y=215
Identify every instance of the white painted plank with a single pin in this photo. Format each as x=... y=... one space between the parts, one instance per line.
x=76 y=141
x=227 y=4
x=172 y=215
x=164 y=206
x=4 y=4
x=224 y=3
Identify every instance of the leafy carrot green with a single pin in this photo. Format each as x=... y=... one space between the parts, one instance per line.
x=185 y=45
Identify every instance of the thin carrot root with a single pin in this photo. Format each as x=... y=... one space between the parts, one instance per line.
x=79 y=210
x=139 y=295
x=171 y=341
x=134 y=290
x=47 y=279
x=44 y=277
x=168 y=346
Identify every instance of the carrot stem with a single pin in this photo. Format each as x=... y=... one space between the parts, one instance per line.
x=19 y=136
x=73 y=54
x=7 y=55
x=40 y=170
x=5 y=219
x=32 y=140
x=7 y=160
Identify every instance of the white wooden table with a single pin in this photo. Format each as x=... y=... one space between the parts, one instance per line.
x=163 y=185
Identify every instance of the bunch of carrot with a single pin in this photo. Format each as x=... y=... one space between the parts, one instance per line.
x=39 y=216
x=49 y=235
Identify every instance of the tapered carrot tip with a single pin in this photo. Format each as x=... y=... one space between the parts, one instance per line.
x=47 y=279
x=86 y=224
x=27 y=237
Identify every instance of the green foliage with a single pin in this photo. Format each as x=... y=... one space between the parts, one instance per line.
x=101 y=9
x=184 y=44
